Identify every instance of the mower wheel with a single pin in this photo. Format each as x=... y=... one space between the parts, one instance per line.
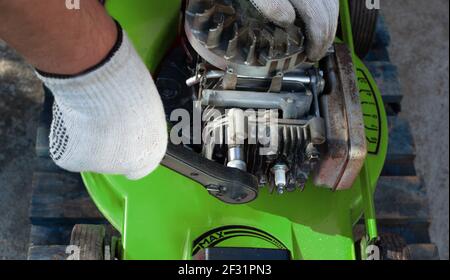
x=90 y=240
x=364 y=23
x=393 y=247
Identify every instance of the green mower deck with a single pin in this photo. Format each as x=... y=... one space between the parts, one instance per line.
x=60 y=199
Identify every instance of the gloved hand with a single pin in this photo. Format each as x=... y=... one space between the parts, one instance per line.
x=109 y=120
x=320 y=18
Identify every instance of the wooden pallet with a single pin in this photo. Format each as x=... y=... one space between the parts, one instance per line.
x=59 y=199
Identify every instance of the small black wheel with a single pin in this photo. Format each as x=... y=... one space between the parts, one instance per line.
x=90 y=240
x=393 y=247
x=364 y=24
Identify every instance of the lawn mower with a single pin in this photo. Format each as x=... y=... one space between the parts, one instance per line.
x=225 y=194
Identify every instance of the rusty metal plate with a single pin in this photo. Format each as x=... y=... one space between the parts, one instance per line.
x=346 y=148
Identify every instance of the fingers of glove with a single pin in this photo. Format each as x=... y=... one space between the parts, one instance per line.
x=320 y=18
x=279 y=12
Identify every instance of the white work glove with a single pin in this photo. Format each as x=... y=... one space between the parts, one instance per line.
x=110 y=120
x=320 y=18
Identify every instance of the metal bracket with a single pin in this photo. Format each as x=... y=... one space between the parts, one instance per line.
x=346 y=141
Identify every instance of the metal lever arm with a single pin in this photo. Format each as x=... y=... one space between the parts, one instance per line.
x=230 y=185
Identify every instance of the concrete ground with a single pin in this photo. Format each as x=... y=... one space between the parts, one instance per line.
x=420 y=48
x=20 y=101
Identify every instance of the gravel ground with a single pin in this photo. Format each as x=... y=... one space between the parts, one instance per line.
x=420 y=36
x=420 y=48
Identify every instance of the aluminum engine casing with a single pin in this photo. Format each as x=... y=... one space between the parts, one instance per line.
x=320 y=131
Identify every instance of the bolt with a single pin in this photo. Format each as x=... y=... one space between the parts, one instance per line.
x=312 y=153
x=280 y=189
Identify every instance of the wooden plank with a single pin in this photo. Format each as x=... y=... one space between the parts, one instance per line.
x=42 y=141
x=401 y=199
x=55 y=234
x=43 y=130
x=382 y=40
x=61 y=198
x=54 y=252
x=392 y=109
x=46 y=164
x=405 y=169
x=50 y=235
x=385 y=75
x=384 y=72
x=382 y=35
x=423 y=252
x=401 y=149
x=377 y=54
x=412 y=232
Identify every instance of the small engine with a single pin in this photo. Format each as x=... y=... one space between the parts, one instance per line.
x=266 y=109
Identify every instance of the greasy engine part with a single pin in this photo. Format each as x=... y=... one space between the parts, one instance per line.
x=251 y=79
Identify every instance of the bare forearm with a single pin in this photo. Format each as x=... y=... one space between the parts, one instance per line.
x=54 y=38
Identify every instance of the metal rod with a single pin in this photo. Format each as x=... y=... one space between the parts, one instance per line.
x=213 y=74
x=216 y=74
x=370 y=218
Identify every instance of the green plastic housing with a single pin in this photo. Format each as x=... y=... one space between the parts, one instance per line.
x=167 y=216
